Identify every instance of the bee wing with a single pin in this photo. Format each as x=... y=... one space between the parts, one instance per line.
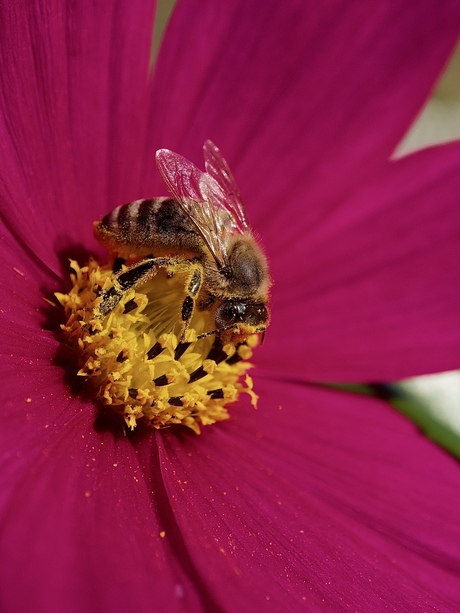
x=201 y=198
x=218 y=169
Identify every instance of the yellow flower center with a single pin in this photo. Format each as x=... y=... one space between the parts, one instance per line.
x=135 y=360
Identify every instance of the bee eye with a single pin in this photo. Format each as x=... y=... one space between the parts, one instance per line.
x=229 y=313
x=234 y=312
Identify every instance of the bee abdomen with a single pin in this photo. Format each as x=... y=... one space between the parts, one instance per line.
x=144 y=226
x=131 y=226
x=132 y=222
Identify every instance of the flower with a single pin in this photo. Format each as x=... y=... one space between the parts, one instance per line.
x=135 y=363
x=321 y=499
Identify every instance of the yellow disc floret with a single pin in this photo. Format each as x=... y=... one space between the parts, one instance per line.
x=135 y=359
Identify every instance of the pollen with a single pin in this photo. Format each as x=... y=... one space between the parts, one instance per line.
x=134 y=357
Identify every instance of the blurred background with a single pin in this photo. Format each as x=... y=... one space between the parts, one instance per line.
x=438 y=122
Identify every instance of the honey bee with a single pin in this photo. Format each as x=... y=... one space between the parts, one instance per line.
x=202 y=229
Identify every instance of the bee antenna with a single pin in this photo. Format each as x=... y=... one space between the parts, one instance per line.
x=205 y=334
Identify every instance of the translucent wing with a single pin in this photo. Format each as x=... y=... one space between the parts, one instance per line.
x=218 y=169
x=203 y=199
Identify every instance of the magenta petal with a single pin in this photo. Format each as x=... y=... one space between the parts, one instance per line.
x=320 y=500
x=25 y=282
x=79 y=529
x=373 y=293
x=302 y=98
x=82 y=512
x=291 y=504
x=72 y=111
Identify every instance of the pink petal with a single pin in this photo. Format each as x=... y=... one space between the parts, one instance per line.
x=303 y=99
x=291 y=504
x=373 y=293
x=79 y=526
x=82 y=512
x=320 y=500
x=72 y=109
x=25 y=283
x=298 y=504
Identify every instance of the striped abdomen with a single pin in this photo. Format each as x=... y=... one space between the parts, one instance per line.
x=148 y=227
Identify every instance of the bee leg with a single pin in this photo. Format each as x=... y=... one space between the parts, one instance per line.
x=188 y=306
x=206 y=303
x=118 y=264
x=136 y=275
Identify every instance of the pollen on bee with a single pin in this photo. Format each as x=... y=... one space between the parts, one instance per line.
x=136 y=361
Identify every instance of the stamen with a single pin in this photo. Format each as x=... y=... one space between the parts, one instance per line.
x=130 y=306
x=234 y=359
x=160 y=381
x=154 y=351
x=219 y=393
x=180 y=350
x=199 y=373
x=132 y=355
x=217 y=354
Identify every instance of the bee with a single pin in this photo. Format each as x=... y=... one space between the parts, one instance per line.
x=203 y=229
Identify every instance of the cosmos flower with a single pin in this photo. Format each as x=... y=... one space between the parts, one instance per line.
x=320 y=500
